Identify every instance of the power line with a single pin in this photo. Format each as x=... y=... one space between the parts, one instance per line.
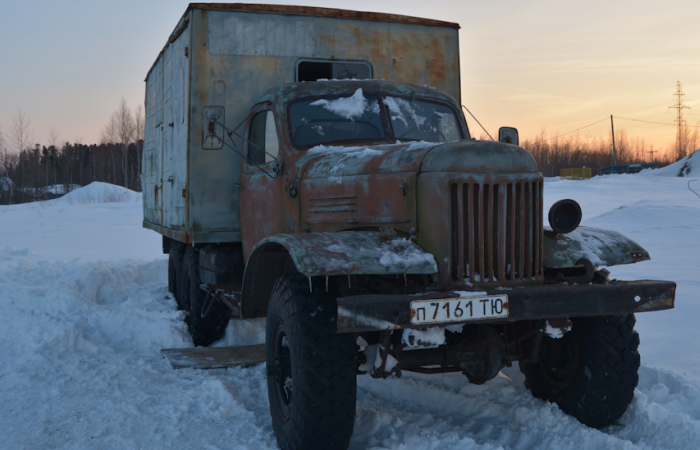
x=645 y=121
x=579 y=129
x=644 y=108
x=622 y=118
x=678 y=122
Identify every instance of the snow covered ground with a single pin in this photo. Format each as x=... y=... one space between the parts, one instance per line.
x=84 y=311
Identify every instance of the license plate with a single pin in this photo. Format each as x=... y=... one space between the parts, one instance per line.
x=459 y=309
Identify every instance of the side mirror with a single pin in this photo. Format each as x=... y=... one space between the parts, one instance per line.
x=508 y=135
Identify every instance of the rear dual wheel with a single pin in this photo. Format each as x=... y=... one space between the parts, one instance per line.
x=175 y=261
x=185 y=284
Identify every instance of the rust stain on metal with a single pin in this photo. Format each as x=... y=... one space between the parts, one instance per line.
x=359 y=321
x=667 y=302
x=437 y=65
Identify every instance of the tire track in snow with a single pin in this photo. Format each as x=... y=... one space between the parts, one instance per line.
x=418 y=412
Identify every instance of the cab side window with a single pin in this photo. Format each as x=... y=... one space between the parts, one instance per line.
x=263 y=144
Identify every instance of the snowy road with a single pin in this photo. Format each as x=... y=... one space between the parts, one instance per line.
x=85 y=311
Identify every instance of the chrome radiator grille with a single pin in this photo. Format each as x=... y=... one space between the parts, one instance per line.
x=496 y=232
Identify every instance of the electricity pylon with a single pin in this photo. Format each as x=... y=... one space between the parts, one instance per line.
x=680 y=122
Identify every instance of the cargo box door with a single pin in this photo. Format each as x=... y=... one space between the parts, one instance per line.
x=174 y=137
x=152 y=168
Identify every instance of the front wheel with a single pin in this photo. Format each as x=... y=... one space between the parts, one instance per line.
x=311 y=380
x=591 y=372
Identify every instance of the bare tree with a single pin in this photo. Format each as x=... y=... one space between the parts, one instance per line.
x=52 y=153
x=140 y=116
x=21 y=137
x=121 y=129
x=54 y=137
x=3 y=154
x=140 y=135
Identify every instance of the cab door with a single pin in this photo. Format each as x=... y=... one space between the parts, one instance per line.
x=262 y=185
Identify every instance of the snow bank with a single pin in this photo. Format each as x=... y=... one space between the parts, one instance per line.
x=98 y=192
x=688 y=166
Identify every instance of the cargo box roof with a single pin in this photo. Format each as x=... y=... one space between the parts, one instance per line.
x=322 y=12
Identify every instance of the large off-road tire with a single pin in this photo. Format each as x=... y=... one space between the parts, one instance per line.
x=204 y=330
x=175 y=262
x=591 y=372
x=311 y=379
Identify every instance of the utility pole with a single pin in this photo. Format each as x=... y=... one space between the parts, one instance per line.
x=652 y=154
x=679 y=107
x=612 y=126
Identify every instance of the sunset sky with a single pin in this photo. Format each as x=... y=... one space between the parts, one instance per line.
x=542 y=66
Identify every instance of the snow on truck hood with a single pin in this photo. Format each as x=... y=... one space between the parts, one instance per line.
x=465 y=156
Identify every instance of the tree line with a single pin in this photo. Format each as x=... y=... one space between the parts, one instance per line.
x=557 y=153
x=31 y=172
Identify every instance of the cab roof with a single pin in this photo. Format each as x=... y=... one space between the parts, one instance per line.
x=285 y=93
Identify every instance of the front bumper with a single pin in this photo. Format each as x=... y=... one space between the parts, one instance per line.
x=363 y=313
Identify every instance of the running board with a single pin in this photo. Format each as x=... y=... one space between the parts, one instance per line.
x=215 y=358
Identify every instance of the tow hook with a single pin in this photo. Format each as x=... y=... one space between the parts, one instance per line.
x=586 y=278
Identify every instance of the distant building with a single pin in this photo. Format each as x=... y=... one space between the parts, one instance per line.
x=582 y=173
x=627 y=168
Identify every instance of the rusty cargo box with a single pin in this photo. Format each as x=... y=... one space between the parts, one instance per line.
x=221 y=57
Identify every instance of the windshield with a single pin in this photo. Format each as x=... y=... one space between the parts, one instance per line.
x=421 y=120
x=336 y=119
x=356 y=118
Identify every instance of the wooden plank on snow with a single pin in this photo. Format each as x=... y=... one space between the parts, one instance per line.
x=215 y=358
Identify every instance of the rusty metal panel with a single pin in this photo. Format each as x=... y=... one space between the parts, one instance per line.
x=480 y=213
x=260 y=34
x=492 y=222
x=352 y=201
x=602 y=247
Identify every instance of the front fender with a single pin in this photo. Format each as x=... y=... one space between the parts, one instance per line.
x=326 y=254
x=602 y=247
x=353 y=252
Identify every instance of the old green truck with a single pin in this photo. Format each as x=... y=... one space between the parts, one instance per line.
x=313 y=166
